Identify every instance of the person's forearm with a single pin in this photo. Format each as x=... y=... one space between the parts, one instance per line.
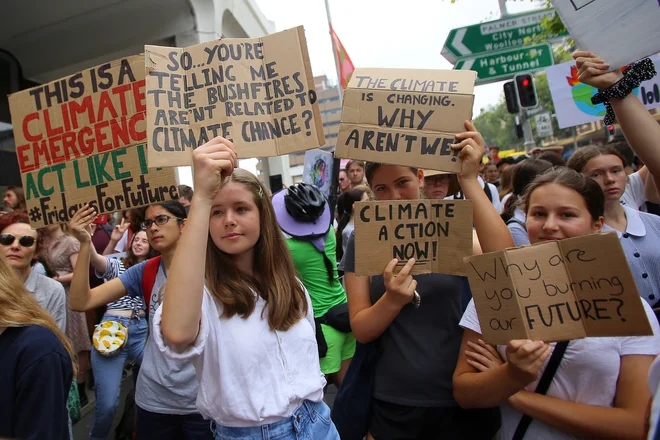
x=110 y=248
x=370 y=323
x=184 y=290
x=80 y=293
x=584 y=421
x=486 y=389
x=98 y=262
x=65 y=279
x=640 y=129
x=491 y=230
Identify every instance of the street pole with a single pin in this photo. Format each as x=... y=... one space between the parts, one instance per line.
x=503 y=11
x=527 y=132
x=336 y=163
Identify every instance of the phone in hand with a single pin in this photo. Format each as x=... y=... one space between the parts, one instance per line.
x=101 y=219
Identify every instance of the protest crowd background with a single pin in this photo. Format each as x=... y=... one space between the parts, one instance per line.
x=394 y=267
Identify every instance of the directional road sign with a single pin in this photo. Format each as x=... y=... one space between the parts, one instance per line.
x=505 y=33
x=498 y=66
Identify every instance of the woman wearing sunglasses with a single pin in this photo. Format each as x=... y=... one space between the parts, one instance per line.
x=20 y=245
x=166 y=388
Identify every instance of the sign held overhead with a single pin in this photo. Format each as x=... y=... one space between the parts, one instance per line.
x=257 y=92
x=405 y=117
x=557 y=291
x=82 y=139
x=619 y=32
x=436 y=233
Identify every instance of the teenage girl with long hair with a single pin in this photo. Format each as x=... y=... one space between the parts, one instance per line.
x=412 y=396
x=166 y=389
x=234 y=307
x=36 y=365
x=128 y=311
x=600 y=388
x=345 y=222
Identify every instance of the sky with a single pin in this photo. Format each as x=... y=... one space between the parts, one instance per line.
x=384 y=33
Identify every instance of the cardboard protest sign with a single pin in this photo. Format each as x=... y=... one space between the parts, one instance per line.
x=405 y=117
x=572 y=99
x=82 y=139
x=436 y=233
x=257 y=92
x=556 y=291
x=619 y=32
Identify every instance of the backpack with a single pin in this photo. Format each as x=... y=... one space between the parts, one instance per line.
x=515 y=220
x=126 y=428
x=149 y=279
x=487 y=190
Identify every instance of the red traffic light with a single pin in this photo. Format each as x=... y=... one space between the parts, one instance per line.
x=525 y=82
x=610 y=128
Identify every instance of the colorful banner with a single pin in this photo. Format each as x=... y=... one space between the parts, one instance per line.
x=318 y=170
x=572 y=99
x=346 y=67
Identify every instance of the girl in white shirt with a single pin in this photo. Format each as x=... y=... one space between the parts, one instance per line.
x=599 y=389
x=233 y=306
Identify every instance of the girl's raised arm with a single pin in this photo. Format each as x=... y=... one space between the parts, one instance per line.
x=182 y=303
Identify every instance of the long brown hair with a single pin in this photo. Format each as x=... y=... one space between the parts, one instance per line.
x=131 y=259
x=19 y=308
x=277 y=283
x=582 y=156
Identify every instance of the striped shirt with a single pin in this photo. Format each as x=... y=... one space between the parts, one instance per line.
x=113 y=269
x=641 y=244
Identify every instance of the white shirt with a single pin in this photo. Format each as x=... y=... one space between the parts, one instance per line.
x=588 y=373
x=250 y=375
x=634 y=195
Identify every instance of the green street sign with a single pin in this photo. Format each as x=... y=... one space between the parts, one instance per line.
x=505 y=33
x=498 y=66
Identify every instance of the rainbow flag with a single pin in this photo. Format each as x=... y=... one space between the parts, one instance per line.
x=346 y=67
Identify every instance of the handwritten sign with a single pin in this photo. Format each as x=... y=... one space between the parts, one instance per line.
x=620 y=32
x=436 y=233
x=405 y=117
x=82 y=139
x=556 y=291
x=257 y=92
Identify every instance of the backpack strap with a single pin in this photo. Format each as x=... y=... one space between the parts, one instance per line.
x=488 y=192
x=515 y=220
x=149 y=279
x=543 y=385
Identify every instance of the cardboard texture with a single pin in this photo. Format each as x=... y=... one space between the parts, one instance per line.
x=81 y=139
x=405 y=117
x=618 y=31
x=556 y=291
x=437 y=233
x=257 y=92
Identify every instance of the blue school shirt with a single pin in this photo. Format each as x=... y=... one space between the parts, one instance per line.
x=641 y=245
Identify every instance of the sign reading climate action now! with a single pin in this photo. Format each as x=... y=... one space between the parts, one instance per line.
x=436 y=233
x=82 y=139
x=557 y=291
x=257 y=92
x=405 y=117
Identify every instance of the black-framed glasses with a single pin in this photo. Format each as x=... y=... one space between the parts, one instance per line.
x=24 y=240
x=160 y=220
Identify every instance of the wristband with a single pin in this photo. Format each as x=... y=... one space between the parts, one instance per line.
x=633 y=75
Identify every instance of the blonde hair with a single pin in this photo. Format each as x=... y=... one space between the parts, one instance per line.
x=277 y=285
x=19 y=308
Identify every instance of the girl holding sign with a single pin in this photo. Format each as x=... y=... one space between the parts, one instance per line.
x=599 y=389
x=412 y=396
x=234 y=307
x=166 y=388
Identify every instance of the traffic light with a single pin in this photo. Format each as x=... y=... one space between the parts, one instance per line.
x=511 y=97
x=526 y=90
x=610 y=131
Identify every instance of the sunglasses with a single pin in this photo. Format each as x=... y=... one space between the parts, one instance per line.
x=159 y=220
x=25 y=240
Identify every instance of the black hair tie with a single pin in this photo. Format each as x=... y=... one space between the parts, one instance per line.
x=633 y=76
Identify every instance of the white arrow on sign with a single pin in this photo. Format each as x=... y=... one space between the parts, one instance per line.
x=457 y=42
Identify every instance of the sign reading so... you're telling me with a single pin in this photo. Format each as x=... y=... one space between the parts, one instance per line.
x=82 y=139
x=258 y=93
x=405 y=117
x=557 y=291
